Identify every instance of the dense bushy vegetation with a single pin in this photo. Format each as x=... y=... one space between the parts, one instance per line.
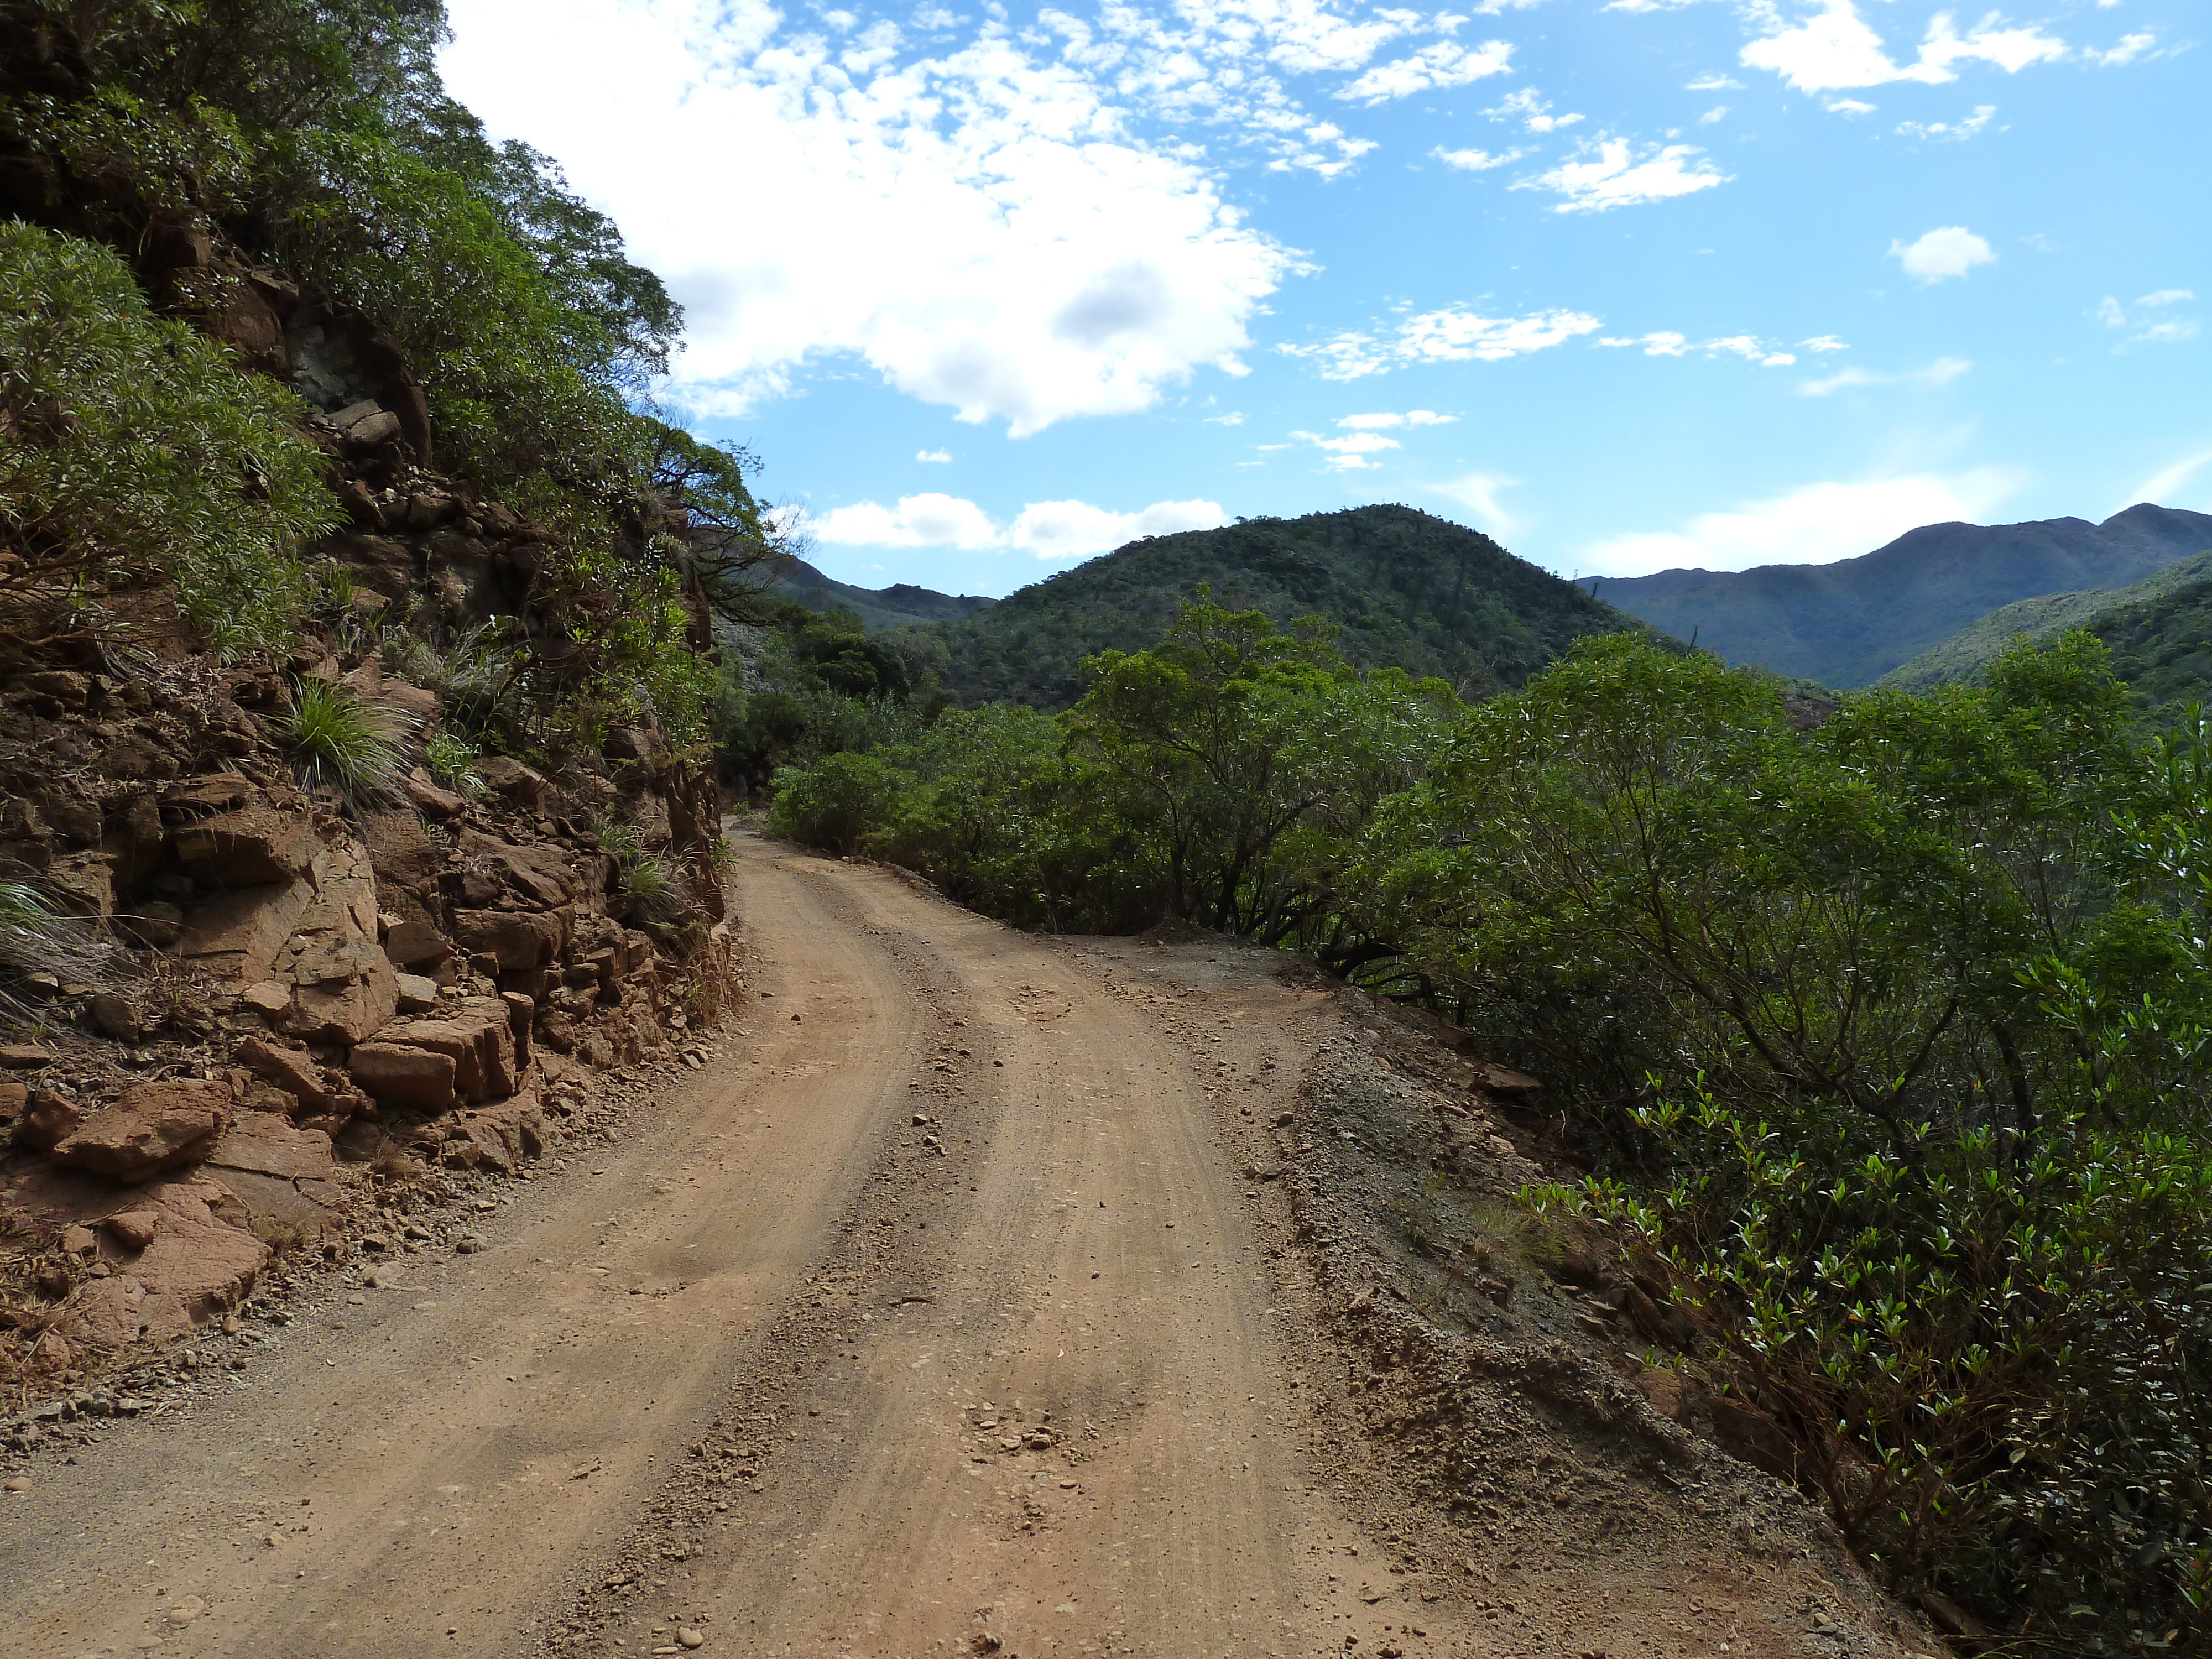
x=136 y=453
x=312 y=137
x=1887 y=1035
x=1404 y=590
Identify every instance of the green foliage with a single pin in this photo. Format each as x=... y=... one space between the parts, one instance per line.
x=1404 y=590
x=1892 y=1035
x=452 y=760
x=835 y=803
x=341 y=738
x=136 y=452
x=816 y=685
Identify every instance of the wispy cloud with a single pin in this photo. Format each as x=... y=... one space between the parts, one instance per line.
x=1941 y=372
x=940 y=456
x=1453 y=334
x=1477 y=160
x=1612 y=174
x=1049 y=530
x=2157 y=329
x=1667 y=342
x=1353 y=453
x=1955 y=131
x=1478 y=492
x=1387 y=422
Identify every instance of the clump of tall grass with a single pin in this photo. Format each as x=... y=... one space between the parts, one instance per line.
x=339 y=737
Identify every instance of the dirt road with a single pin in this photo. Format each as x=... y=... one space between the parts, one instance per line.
x=935 y=1315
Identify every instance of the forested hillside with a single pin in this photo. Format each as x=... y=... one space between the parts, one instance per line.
x=877 y=608
x=1850 y=623
x=1402 y=589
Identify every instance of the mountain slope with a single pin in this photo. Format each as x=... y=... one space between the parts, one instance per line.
x=2161 y=642
x=1964 y=654
x=896 y=606
x=1850 y=623
x=1404 y=589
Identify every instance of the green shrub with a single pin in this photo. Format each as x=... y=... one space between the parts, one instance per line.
x=452 y=760
x=343 y=739
x=138 y=451
x=835 y=802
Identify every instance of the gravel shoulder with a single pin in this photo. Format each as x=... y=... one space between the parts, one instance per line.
x=988 y=1294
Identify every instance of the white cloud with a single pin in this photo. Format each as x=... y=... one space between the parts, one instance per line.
x=1440 y=63
x=1529 y=108
x=2163 y=485
x=1836 y=50
x=1816 y=524
x=1714 y=116
x=982 y=229
x=1949 y=251
x=1387 y=422
x=1955 y=130
x=1234 y=417
x=1941 y=372
x=2110 y=312
x=1667 y=343
x=2166 y=296
x=926 y=520
x=1613 y=177
x=1848 y=107
x=1350 y=454
x=1075 y=530
x=1477 y=160
x=2129 y=49
x=939 y=457
x=2163 y=331
x=1050 y=529
x=1715 y=83
x=1452 y=335
x=1478 y=493
x=1824 y=343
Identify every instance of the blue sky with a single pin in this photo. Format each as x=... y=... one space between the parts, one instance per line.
x=992 y=289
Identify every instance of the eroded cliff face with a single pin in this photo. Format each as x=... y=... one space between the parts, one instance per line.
x=294 y=994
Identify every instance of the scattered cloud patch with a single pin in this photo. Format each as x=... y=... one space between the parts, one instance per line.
x=1667 y=342
x=940 y=456
x=2132 y=48
x=1714 y=116
x=1612 y=176
x=1050 y=529
x=1941 y=372
x=1956 y=131
x=1388 y=423
x=2156 y=329
x=1529 y=108
x=1477 y=160
x=1234 y=417
x=1715 y=83
x=1823 y=342
x=1947 y=251
x=1439 y=64
x=1350 y=453
x=1453 y=334
x=1836 y=50
x=1816 y=524
x=1848 y=107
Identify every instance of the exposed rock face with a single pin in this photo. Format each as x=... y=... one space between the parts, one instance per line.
x=400 y=1074
x=153 y=1127
x=476 y=1034
x=254 y=845
x=292 y=1070
x=195 y=1265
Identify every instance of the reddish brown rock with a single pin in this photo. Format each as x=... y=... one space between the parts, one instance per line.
x=266 y=1144
x=254 y=845
x=477 y=1033
x=521 y=940
x=13 y=1098
x=48 y=1119
x=292 y=1070
x=153 y=1127
x=24 y=1056
x=133 y=1230
x=429 y=800
x=400 y=1075
x=512 y=779
x=198 y=1267
x=417 y=945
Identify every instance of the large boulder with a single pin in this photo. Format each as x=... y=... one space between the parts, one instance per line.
x=196 y=1266
x=477 y=1033
x=254 y=845
x=400 y=1074
x=521 y=940
x=511 y=778
x=266 y=1144
x=292 y=1070
x=153 y=1127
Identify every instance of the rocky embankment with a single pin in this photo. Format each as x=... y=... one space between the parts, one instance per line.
x=290 y=999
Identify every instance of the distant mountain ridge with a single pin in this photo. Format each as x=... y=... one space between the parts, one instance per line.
x=877 y=608
x=1848 y=623
x=1406 y=589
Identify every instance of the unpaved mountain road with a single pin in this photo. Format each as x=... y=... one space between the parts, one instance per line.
x=795 y=1372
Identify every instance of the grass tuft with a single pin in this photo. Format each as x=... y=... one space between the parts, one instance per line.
x=342 y=739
